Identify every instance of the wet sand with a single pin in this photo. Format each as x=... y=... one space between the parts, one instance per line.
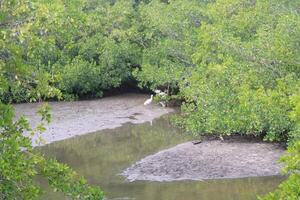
x=71 y=119
x=213 y=159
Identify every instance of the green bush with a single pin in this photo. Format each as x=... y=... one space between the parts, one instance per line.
x=168 y=40
x=20 y=164
x=95 y=53
x=247 y=70
x=289 y=189
x=234 y=63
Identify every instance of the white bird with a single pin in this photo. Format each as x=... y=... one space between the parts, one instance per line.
x=148 y=101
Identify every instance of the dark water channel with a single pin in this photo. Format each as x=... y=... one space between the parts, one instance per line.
x=102 y=156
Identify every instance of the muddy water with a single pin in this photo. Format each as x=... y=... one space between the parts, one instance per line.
x=103 y=155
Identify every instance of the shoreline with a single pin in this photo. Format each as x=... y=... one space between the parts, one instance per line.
x=70 y=119
x=210 y=159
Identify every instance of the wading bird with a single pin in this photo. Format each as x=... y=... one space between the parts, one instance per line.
x=148 y=101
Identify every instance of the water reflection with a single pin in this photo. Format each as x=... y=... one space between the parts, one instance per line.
x=102 y=156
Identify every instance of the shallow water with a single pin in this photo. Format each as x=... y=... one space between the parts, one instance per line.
x=103 y=155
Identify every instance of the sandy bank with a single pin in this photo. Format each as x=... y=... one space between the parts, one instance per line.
x=81 y=117
x=214 y=159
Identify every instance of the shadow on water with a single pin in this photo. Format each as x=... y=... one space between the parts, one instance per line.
x=102 y=156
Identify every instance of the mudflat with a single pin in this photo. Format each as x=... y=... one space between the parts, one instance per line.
x=70 y=119
x=210 y=159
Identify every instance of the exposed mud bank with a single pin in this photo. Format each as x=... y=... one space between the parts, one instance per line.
x=214 y=159
x=81 y=117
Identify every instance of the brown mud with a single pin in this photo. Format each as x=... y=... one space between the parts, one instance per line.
x=75 y=118
x=210 y=159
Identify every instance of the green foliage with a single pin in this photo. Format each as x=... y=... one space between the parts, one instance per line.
x=92 y=55
x=247 y=70
x=295 y=117
x=24 y=82
x=289 y=189
x=167 y=40
x=20 y=163
x=234 y=63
